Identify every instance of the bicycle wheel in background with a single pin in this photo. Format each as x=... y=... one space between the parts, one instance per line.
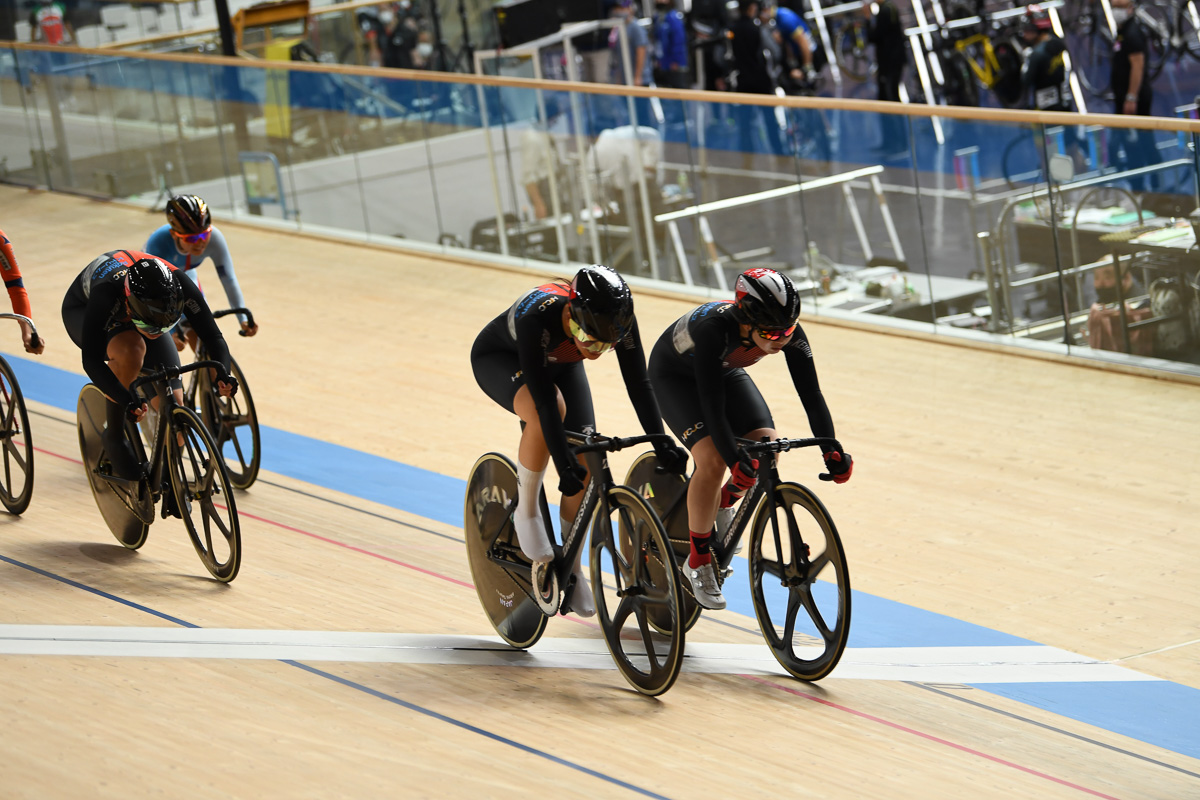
x=202 y=487
x=16 y=479
x=127 y=507
x=644 y=583
x=1091 y=54
x=1022 y=161
x=853 y=53
x=233 y=424
x=666 y=493
x=506 y=595
x=1156 y=22
x=1187 y=27
x=799 y=582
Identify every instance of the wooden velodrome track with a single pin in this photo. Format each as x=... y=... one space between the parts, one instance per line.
x=1000 y=500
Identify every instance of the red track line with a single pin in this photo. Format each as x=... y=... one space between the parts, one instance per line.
x=378 y=555
x=926 y=736
x=753 y=678
x=364 y=551
x=56 y=455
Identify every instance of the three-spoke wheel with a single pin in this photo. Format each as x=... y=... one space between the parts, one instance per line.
x=799 y=582
x=501 y=573
x=16 y=446
x=639 y=601
x=204 y=494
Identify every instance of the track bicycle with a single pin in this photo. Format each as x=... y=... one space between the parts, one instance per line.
x=852 y=50
x=799 y=581
x=987 y=51
x=182 y=454
x=1092 y=43
x=231 y=420
x=16 y=442
x=628 y=543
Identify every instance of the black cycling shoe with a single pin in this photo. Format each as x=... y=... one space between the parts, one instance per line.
x=121 y=459
x=169 y=507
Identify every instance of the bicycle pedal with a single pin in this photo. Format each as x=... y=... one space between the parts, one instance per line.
x=726 y=573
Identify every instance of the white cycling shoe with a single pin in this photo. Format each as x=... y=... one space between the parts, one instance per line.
x=707 y=590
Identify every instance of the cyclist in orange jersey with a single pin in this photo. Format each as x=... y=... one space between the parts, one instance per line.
x=16 y=293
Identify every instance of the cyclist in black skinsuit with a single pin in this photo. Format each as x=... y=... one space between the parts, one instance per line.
x=529 y=360
x=116 y=311
x=697 y=370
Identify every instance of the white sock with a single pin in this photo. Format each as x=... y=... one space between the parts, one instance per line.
x=581 y=598
x=527 y=517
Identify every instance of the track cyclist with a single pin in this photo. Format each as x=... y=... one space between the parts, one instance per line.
x=17 y=294
x=186 y=240
x=697 y=370
x=117 y=310
x=529 y=360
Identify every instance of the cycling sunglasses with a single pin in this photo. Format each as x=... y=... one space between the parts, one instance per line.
x=777 y=334
x=587 y=341
x=192 y=238
x=153 y=330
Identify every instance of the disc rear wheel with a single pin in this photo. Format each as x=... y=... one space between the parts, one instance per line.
x=505 y=592
x=126 y=506
x=666 y=493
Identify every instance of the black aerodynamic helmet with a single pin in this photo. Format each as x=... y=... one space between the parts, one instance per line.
x=601 y=303
x=766 y=299
x=154 y=295
x=188 y=214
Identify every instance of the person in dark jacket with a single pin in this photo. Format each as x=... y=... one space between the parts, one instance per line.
x=1131 y=90
x=891 y=57
x=753 y=76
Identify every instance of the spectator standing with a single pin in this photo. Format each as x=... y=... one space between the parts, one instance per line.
x=886 y=34
x=641 y=68
x=1131 y=89
x=752 y=75
x=670 y=47
x=640 y=63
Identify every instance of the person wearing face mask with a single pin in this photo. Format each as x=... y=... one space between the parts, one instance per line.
x=423 y=55
x=399 y=38
x=1132 y=93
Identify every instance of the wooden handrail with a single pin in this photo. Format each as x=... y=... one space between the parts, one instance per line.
x=997 y=115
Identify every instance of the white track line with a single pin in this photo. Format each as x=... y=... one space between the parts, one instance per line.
x=1007 y=664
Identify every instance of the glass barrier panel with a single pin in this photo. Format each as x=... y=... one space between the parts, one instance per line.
x=17 y=145
x=1131 y=266
x=969 y=174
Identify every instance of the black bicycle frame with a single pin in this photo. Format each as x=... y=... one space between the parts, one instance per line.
x=158 y=380
x=725 y=547
x=595 y=450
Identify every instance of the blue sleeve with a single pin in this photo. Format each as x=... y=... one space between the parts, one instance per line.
x=162 y=245
x=218 y=251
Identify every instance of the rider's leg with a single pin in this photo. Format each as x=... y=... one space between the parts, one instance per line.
x=704 y=490
x=580 y=417
x=126 y=350
x=532 y=459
